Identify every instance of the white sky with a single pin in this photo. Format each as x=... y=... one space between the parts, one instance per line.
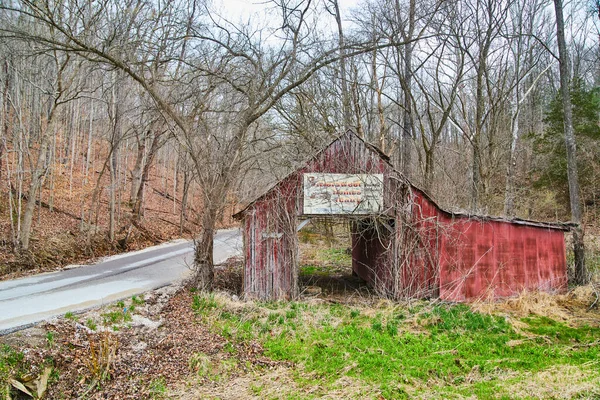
x=242 y=9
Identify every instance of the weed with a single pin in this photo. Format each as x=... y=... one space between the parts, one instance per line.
x=158 y=388
x=50 y=338
x=120 y=304
x=391 y=328
x=229 y=348
x=102 y=352
x=200 y=363
x=11 y=365
x=228 y=366
x=377 y=326
x=115 y=317
x=54 y=375
x=18 y=375
x=137 y=300
x=90 y=324
x=202 y=304
x=256 y=389
x=71 y=316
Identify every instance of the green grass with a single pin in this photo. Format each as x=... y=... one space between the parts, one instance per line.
x=158 y=388
x=559 y=332
x=12 y=365
x=337 y=256
x=330 y=260
x=203 y=304
x=71 y=316
x=116 y=317
x=401 y=351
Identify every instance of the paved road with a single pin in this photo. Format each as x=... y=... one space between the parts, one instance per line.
x=29 y=300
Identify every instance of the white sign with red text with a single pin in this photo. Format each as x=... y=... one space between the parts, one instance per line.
x=343 y=193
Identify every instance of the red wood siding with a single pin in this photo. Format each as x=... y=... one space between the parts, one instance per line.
x=491 y=259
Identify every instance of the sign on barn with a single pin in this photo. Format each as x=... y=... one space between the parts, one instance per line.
x=343 y=193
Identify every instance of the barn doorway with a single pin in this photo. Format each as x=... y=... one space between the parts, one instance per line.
x=336 y=254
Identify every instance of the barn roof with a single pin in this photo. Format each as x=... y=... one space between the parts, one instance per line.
x=564 y=226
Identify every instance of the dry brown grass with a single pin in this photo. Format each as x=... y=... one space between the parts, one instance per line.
x=276 y=383
x=571 y=308
x=557 y=382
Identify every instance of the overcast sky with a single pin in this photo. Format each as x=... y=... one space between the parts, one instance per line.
x=236 y=9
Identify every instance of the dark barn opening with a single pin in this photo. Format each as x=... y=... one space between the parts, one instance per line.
x=326 y=258
x=403 y=244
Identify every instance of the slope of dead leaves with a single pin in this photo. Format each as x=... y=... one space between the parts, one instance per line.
x=59 y=238
x=157 y=347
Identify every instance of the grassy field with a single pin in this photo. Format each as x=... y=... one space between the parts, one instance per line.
x=422 y=350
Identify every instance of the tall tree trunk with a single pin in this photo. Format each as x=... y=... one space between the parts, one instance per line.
x=139 y=198
x=203 y=251
x=112 y=196
x=5 y=113
x=429 y=167
x=580 y=274
x=136 y=174
x=347 y=113
x=406 y=83
x=509 y=192
x=115 y=143
x=184 y=199
x=476 y=138
x=35 y=186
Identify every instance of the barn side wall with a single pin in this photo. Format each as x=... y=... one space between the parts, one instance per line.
x=491 y=259
x=418 y=248
x=271 y=245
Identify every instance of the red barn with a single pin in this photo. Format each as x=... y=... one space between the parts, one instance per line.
x=403 y=244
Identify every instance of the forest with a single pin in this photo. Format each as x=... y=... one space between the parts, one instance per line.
x=130 y=122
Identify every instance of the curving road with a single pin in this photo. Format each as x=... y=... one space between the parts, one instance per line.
x=26 y=301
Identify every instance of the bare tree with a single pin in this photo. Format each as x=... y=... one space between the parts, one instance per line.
x=581 y=275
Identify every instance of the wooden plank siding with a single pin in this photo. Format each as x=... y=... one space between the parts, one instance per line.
x=487 y=259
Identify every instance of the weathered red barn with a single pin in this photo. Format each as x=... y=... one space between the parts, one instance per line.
x=403 y=244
